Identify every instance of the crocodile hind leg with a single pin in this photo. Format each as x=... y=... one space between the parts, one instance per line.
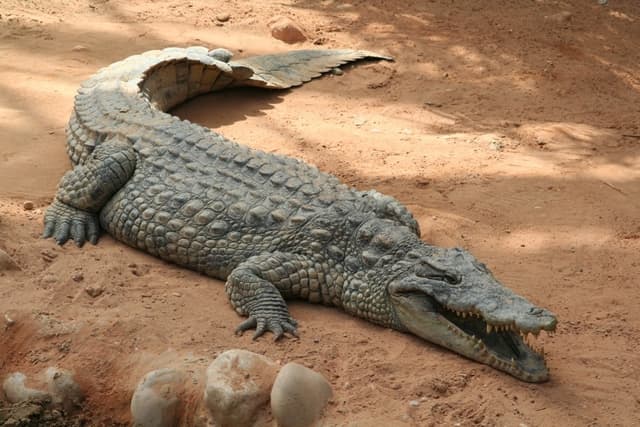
x=257 y=288
x=83 y=191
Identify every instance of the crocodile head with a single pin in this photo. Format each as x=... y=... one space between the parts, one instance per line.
x=449 y=298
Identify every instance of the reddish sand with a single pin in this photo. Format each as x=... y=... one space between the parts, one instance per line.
x=510 y=128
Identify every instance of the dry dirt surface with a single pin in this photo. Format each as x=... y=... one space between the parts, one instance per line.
x=510 y=128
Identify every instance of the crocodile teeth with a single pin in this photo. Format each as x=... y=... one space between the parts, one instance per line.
x=489 y=328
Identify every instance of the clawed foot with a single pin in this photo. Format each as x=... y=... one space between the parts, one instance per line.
x=278 y=325
x=63 y=222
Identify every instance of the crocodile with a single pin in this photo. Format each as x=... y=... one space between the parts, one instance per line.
x=273 y=227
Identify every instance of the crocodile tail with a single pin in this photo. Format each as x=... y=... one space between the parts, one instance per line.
x=176 y=74
x=180 y=74
x=285 y=70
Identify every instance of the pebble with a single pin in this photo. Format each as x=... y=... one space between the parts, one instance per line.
x=94 y=291
x=77 y=277
x=15 y=391
x=223 y=17
x=237 y=388
x=6 y=262
x=9 y=321
x=156 y=400
x=496 y=146
x=561 y=17
x=49 y=279
x=28 y=205
x=63 y=388
x=286 y=30
x=299 y=396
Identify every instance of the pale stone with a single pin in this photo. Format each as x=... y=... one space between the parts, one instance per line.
x=287 y=30
x=561 y=17
x=299 y=396
x=15 y=391
x=238 y=384
x=63 y=388
x=156 y=399
x=223 y=17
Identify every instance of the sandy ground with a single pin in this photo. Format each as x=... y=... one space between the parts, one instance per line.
x=511 y=128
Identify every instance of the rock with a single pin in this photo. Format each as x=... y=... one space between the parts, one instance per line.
x=238 y=384
x=15 y=391
x=298 y=396
x=49 y=279
x=77 y=276
x=94 y=291
x=156 y=400
x=6 y=262
x=79 y=48
x=287 y=30
x=496 y=146
x=28 y=205
x=561 y=17
x=223 y=17
x=8 y=320
x=63 y=388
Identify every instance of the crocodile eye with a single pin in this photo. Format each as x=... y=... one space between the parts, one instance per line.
x=452 y=279
x=449 y=278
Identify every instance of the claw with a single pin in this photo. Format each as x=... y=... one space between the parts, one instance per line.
x=260 y=329
x=92 y=232
x=77 y=232
x=277 y=326
x=291 y=327
x=62 y=233
x=250 y=323
x=277 y=331
x=49 y=228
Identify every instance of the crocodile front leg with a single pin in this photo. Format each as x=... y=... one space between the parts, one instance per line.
x=257 y=288
x=83 y=191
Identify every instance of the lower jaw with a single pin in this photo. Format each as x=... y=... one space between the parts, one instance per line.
x=515 y=371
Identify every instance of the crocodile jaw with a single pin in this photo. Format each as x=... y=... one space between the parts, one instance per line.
x=505 y=350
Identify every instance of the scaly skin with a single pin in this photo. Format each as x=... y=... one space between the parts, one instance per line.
x=273 y=227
